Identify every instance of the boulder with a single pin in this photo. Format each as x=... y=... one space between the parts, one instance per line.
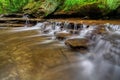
x=62 y=8
x=41 y=8
x=101 y=29
x=91 y=9
x=62 y=35
x=72 y=26
x=46 y=31
x=77 y=43
x=74 y=31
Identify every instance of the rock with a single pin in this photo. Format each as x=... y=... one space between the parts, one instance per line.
x=62 y=35
x=88 y=8
x=41 y=8
x=46 y=31
x=74 y=31
x=100 y=29
x=70 y=26
x=63 y=8
x=77 y=43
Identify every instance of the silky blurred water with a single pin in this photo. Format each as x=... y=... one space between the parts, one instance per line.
x=26 y=53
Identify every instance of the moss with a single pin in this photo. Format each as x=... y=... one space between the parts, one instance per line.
x=30 y=5
x=91 y=8
x=11 y=6
x=43 y=8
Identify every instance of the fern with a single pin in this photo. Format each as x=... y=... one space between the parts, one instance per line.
x=9 y=6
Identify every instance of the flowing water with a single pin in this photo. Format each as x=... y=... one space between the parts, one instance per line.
x=31 y=53
x=27 y=20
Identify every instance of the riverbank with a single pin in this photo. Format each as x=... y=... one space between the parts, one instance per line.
x=90 y=22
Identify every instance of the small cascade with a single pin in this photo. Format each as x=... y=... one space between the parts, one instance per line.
x=114 y=53
x=27 y=20
x=75 y=26
x=113 y=37
x=112 y=27
x=105 y=55
x=102 y=44
x=66 y=25
x=86 y=31
x=107 y=47
x=93 y=55
x=54 y=25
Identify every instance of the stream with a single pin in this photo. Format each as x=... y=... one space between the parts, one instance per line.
x=34 y=53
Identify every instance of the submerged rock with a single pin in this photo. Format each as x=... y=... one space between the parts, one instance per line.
x=62 y=35
x=77 y=43
x=74 y=31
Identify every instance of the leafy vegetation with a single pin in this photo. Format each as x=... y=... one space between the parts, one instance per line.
x=76 y=4
x=45 y=7
x=41 y=7
x=10 y=6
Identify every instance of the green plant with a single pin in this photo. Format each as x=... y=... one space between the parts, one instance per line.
x=10 y=6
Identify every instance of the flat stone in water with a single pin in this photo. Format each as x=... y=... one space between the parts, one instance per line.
x=77 y=43
x=62 y=35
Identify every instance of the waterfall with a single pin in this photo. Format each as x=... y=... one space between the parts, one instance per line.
x=27 y=20
x=105 y=55
x=86 y=31
x=66 y=26
x=112 y=27
x=75 y=28
x=107 y=47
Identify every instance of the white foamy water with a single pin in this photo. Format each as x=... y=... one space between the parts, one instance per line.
x=36 y=27
x=47 y=41
x=88 y=67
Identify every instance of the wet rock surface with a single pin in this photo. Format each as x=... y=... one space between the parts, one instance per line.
x=77 y=43
x=62 y=35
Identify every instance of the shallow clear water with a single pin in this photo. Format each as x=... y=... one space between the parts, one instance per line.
x=26 y=54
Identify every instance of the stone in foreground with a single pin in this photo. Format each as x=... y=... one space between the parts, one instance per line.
x=77 y=43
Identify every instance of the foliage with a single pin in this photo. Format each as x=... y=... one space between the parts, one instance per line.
x=75 y=4
x=89 y=7
x=9 y=6
x=46 y=7
x=41 y=7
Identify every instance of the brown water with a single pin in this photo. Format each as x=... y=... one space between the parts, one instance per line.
x=25 y=54
x=77 y=20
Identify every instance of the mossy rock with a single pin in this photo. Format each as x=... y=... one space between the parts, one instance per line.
x=62 y=35
x=41 y=8
x=90 y=8
x=28 y=8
